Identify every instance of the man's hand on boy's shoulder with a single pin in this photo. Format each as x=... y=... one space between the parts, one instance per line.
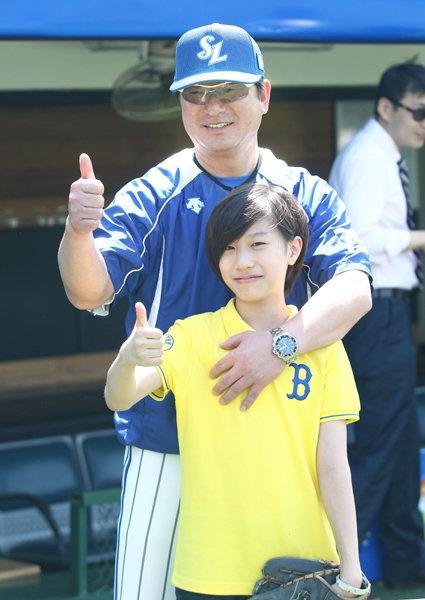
x=249 y=366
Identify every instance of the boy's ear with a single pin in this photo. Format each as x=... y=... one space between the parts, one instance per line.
x=295 y=248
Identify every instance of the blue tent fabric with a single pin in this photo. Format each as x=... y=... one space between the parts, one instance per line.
x=314 y=21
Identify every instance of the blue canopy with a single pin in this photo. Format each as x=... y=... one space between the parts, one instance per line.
x=323 y=21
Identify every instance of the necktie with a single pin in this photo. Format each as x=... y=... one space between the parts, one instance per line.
x=404 y=177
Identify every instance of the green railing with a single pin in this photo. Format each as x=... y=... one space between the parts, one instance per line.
x=94 y=517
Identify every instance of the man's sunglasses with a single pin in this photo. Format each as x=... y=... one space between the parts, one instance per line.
x=225 y=92
x=418 y=113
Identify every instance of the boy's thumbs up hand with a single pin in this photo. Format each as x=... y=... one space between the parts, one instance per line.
x=144 y=346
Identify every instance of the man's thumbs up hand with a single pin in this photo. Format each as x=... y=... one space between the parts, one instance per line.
x=141 y=318
x=86 y=202
x=86 y=167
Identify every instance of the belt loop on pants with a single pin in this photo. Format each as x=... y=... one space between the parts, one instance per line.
x=392 y=293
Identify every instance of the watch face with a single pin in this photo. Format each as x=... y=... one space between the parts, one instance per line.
x=285 y=345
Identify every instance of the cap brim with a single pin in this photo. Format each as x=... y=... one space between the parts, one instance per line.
x=233 y=76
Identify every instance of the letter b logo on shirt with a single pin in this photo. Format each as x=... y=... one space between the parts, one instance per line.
x=301 y=382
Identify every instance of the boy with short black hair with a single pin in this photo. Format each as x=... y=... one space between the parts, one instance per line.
x=273 y=480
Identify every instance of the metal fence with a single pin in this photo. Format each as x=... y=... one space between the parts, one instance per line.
x=94 y=518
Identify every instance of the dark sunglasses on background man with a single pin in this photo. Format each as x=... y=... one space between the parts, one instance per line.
x=418 y=113
x=225 y=92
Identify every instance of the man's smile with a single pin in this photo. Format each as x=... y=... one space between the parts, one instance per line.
x=217 y=125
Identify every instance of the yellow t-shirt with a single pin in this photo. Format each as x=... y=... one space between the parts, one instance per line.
x=249 y=482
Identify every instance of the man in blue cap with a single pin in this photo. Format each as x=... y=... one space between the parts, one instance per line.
x=148 y=244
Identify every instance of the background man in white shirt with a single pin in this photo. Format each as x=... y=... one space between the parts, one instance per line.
x=369 y=176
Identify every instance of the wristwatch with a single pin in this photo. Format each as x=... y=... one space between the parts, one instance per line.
x=285 y=346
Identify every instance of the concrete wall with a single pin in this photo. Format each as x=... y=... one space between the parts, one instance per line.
x=62 y=65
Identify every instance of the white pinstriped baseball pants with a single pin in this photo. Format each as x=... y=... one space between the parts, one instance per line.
x=147 y=526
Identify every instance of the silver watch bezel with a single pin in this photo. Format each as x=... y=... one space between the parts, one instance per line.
x=278 y=334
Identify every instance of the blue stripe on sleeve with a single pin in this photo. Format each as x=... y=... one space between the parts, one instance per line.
x=341 y=416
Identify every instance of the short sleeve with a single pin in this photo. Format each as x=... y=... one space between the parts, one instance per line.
x=334 y=246
x=122 y=236
x=177 y=359
x=340 y=398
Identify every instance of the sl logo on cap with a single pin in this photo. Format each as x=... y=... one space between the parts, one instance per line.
x=211 y=51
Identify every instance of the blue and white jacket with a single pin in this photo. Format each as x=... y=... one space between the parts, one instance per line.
x=152 y=239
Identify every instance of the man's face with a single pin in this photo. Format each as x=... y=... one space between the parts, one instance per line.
x=400 y=124
x=224 y=127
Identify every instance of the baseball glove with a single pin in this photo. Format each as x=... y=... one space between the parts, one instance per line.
x=289 y=578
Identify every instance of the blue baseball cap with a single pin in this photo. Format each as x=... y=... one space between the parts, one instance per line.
x=217 y=53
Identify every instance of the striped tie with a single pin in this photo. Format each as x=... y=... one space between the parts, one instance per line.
x=404 y=177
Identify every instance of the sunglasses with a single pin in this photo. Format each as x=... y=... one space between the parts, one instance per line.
x=418 y=113
x=225 y=92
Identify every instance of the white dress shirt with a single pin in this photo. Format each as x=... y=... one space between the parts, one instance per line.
x=365 y=174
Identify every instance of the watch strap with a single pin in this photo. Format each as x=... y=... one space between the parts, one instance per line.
x=276 y=331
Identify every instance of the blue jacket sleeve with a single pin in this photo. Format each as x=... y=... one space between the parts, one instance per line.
x=129 y=235
x=334 y=246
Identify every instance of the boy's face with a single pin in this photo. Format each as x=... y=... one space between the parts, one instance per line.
x=254 y=266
